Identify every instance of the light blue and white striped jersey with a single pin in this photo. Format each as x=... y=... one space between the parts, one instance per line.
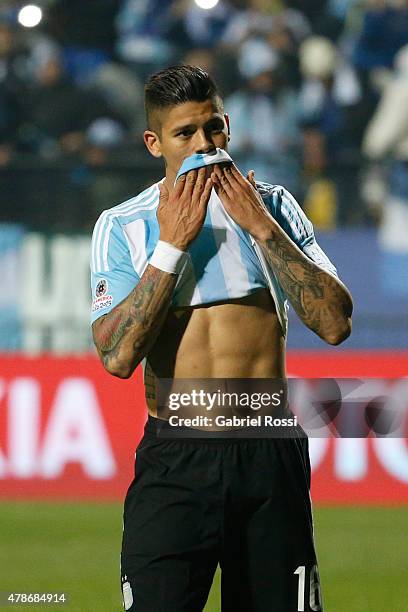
x=222 y=265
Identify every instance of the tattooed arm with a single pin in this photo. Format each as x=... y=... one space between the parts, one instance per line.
x=322 y=301
x=124 y=336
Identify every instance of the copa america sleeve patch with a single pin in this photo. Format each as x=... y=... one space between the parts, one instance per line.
x=101 y=299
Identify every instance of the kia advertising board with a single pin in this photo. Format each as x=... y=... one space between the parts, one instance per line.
x=69 y=430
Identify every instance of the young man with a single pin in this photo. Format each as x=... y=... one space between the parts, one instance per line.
x=177 y=280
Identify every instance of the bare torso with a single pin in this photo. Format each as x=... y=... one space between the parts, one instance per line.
x=241 y=338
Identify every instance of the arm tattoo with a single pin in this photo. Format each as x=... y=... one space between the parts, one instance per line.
x=129 y=331
x=320 y=300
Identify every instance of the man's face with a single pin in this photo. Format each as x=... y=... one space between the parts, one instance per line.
x=192 y=127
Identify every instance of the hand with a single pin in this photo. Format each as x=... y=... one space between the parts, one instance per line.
x=181 y=213
x=242 y=201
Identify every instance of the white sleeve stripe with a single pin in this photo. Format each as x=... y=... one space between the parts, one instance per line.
x=105 y=218
x=106 y=244
x=109 y=229
x=105 y=224
x=102 y=219
x=299 y=223
x=289 y=207
x=319 y=257
x=290 y=219
x=137 y=231
x=132 y=203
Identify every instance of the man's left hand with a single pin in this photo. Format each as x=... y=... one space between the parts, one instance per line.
x=242 y=200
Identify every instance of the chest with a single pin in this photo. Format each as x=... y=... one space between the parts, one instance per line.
x=222 y=264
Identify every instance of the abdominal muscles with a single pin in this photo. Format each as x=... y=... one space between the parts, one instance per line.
x=238 y=339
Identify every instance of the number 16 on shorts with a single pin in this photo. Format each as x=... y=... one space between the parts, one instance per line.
x=315 y=599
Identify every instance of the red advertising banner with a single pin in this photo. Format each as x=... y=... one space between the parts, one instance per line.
x=356 y=470
x=69 y=430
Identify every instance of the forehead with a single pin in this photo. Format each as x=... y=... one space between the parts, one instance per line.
x=190 y=113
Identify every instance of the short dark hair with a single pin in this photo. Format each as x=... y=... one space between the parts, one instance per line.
x=177 y=85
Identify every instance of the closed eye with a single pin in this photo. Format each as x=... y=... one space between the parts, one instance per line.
x=185 y=133
x=217 y=127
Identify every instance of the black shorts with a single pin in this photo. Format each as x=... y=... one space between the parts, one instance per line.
x=241 y=503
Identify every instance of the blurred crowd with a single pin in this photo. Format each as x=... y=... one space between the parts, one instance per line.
x=317 y=94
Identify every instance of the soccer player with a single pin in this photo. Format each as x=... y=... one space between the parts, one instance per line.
x=177 y=281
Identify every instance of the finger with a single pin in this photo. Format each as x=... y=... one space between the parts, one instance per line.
x=199 y=184
x=233 y=177
x=164 y=192
x=224 y=181
x=219 y=190
x=181 y=181
x=214 y=178
x=205 y=196
x=189 y=185
x=251 y=178
x=216 y=182
x=237 y=175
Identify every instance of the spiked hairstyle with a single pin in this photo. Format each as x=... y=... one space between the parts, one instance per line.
x=177 y=85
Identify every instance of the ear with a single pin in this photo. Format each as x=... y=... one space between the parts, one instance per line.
x=227 y=121
x=152 y=142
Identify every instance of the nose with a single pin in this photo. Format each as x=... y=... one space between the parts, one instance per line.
x=202 y=143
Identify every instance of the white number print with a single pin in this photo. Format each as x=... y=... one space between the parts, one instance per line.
x=314 y=592
x=301 y=570
x=315 y=598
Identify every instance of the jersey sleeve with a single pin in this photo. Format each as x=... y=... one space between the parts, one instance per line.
x=113 y=275
x=287 y=212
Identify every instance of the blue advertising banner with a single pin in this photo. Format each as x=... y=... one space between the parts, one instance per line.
x=378 y=281
x=11 y=237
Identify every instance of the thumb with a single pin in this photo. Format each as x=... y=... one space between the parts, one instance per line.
x=251 y=178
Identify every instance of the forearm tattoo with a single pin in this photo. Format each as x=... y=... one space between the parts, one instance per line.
x=321 y=301
x=136 y=322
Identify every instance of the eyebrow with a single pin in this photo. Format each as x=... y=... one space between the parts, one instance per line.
x=217 y=119
x=181 y=128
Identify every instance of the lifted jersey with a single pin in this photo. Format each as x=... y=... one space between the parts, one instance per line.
x=222 y=265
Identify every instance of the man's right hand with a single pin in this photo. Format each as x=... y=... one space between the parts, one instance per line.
x=182 y=211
